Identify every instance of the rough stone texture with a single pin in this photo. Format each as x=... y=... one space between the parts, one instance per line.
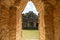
x=48 y=20
x=57 y=21
x=11 y=19
x=4 y=18
x=46 y=28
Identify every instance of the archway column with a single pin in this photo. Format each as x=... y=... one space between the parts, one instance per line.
x=12 y=23
x=48 y=21
x=46 y=28
x=15 y=23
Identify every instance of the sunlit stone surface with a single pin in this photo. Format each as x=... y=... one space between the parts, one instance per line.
x=10 y=19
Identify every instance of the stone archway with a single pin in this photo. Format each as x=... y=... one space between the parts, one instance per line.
x=45 y=23
x=10 y=18
x=40 y=12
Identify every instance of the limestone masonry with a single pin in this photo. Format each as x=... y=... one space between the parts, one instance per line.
x=11 y=20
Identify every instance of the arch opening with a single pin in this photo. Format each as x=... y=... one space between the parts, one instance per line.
x=30 y=22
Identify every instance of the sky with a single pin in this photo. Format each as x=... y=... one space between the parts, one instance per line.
x=30 y=7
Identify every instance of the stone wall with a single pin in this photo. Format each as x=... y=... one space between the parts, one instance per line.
x=10 y=19
x=57 y=21
x=4 y=23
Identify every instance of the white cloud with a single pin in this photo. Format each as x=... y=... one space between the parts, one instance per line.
x=30 y=7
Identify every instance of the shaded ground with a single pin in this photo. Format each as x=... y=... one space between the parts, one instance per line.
x=30 y=35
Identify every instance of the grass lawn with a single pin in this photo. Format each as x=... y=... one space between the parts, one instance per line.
x=30 y=35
